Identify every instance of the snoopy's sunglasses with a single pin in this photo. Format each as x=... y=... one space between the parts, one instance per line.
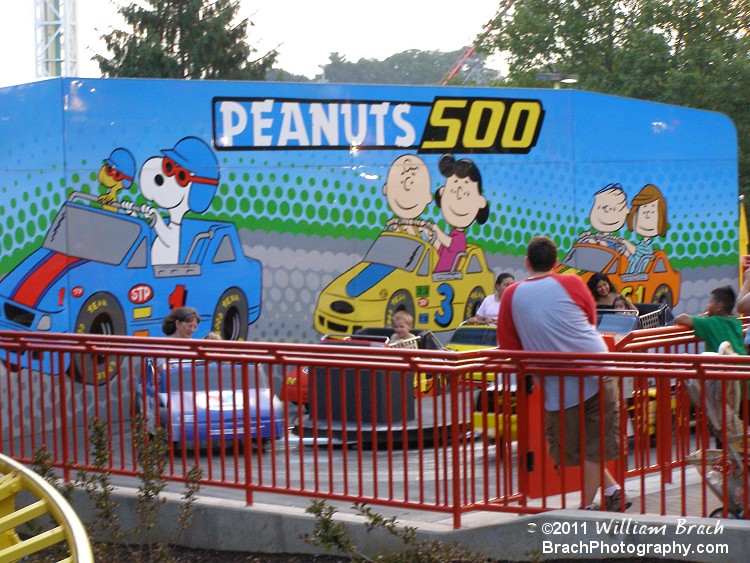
x=183 y=176
x=116 y=175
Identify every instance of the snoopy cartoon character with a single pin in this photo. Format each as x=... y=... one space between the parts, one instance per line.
x=183 y=179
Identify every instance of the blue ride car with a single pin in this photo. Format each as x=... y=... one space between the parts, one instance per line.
x=196 y=399
x=94 y=274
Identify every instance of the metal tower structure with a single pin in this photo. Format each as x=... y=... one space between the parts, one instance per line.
x=56 y=40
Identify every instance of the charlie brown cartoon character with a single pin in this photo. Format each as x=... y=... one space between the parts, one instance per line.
x=607 y=216
x=183 y=179
x=461 y=203
x=116 y=174
x=647 y=218
x=407 y=191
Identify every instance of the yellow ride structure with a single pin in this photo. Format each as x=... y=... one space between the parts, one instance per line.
x=49 y=518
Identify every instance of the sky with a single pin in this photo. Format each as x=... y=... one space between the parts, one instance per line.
x=304 y=32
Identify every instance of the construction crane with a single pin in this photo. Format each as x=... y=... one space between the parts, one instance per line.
x=471 y=49
x=56 y=38
x=458 y=65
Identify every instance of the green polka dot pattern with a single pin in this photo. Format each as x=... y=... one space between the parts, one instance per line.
x=348 y=202
x=26 y=216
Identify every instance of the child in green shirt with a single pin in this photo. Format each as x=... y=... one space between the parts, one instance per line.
x=717 y=324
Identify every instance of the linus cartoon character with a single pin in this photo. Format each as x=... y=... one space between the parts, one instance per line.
x=607 y=216
x=461 y=203
x=183 y=179
x=116 y=173
x=407 y=191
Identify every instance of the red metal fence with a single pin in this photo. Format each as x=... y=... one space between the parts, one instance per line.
x=431 y=430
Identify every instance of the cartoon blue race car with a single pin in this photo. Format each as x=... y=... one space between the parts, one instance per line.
x=94 y=274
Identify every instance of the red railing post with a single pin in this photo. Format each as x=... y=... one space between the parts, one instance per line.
x=64 y=418
x=455 y=449
x=247 y=435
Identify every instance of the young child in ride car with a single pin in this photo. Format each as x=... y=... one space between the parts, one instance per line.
x=622 y=304
x=402 y=337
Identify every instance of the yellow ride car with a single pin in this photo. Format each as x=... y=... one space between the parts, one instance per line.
x=490 y=413
x=397 y=274
x=641 y=409
x=495 y=410
x=473 y=337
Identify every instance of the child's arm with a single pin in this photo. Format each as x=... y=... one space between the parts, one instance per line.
x=684 y=320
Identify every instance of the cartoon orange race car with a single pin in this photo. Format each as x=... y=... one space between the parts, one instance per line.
x=656 y=282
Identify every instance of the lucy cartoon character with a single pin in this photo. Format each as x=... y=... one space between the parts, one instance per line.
x=116 y=174
x=183 y=179
x=407 y=191
x=461 y=203
x=647 y=218
x=607 y=216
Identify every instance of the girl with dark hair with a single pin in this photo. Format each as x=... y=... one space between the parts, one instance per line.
x=604 y=292
x=181 y=323
x=461 y=203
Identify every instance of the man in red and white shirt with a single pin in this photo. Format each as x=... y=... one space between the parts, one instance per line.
x=552 y=312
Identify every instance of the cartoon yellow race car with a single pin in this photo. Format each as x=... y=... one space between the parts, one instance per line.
x=397 y=274
x=655 y=281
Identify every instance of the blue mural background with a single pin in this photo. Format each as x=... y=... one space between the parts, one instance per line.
x=56 y=133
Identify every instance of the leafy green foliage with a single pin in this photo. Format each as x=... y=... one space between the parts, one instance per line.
x=197 y=39
x=98 y=486
x=685 y=52
x=329 y=533
x=281 y=75
x=105 y=530
x=332 y=534
x=408 y=67
x=152 y=453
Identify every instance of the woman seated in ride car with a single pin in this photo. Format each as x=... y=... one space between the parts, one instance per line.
x=604 y=292
x=181 y=323
x=488 y=310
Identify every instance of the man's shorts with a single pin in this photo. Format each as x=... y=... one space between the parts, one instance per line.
x=552 y=425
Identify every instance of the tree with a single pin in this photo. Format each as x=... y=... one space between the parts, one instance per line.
x=183 y=39
x=687 y=52
x=408 y=67
x=281 y=75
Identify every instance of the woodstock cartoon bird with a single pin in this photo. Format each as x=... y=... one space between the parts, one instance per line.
x=116 y=173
